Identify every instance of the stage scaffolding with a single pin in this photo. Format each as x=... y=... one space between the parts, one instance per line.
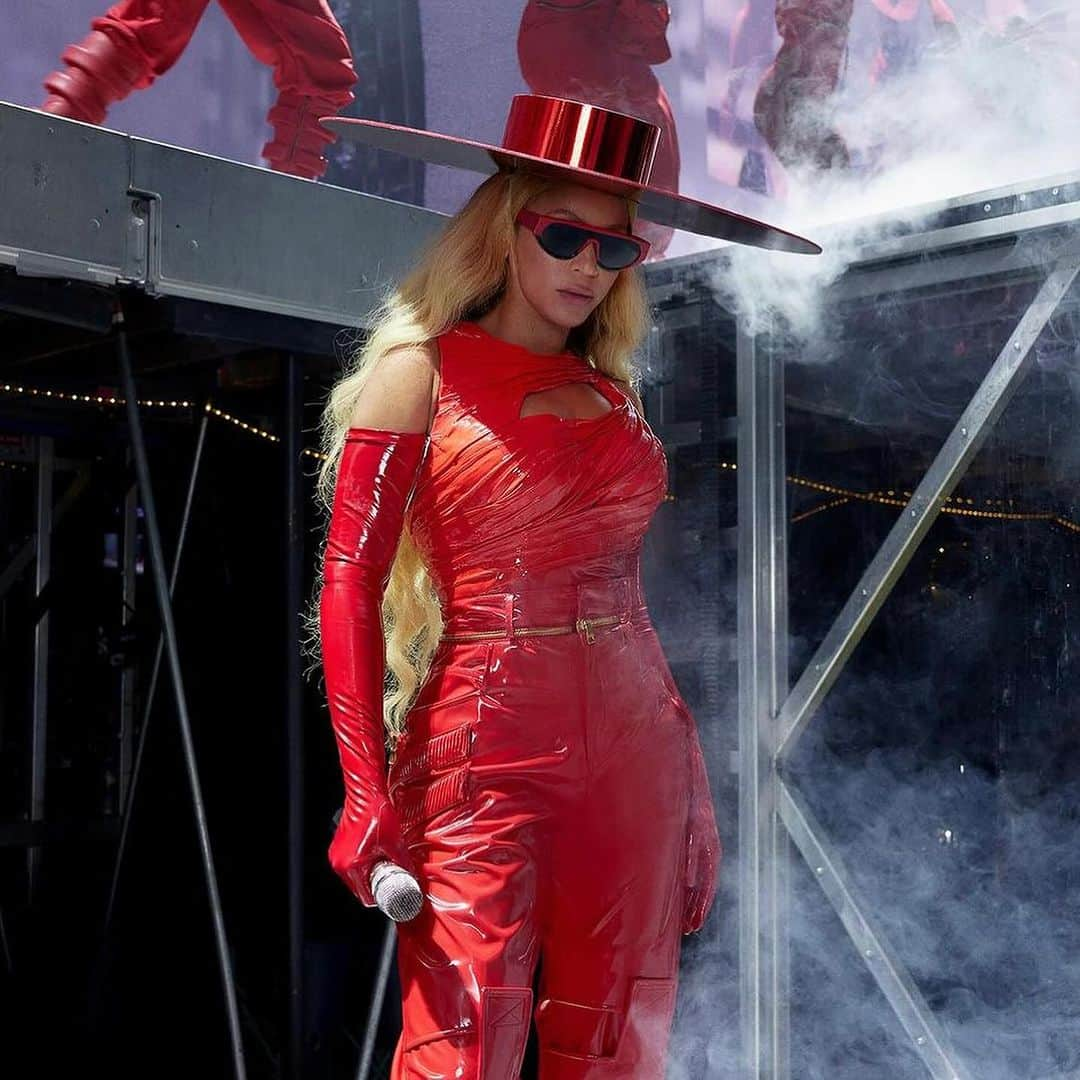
x=89 y=217
x=104 y=237
x=1023 y=239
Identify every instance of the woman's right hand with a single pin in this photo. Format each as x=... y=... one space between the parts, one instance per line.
x=362 y=841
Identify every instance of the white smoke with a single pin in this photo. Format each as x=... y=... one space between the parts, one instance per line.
x=971 y=874
x=985 y=112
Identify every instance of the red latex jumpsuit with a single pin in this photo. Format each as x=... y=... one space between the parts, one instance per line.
x=549 y=792
x=135 y=41
x=603 y=52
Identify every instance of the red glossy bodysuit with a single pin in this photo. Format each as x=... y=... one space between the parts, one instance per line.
x=549 y=785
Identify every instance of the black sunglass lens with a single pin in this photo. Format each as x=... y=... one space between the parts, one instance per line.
x=615 y=254
x=562 y=241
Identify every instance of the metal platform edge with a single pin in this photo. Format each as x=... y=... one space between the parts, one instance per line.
x=87 y=203
x=1002 y=230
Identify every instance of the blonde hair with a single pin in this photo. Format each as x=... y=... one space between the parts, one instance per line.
x=461 y=275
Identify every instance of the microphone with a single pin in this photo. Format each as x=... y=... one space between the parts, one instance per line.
x=397 y=893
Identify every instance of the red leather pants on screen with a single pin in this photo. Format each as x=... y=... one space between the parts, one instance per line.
x=792 y=101
x=543 y=787
x=300 y=39
x=136 y=41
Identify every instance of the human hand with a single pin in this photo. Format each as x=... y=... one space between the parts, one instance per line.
x=360 y=843
x=703 y=848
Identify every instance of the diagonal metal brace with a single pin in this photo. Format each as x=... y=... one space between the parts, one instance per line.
x=888 y=971
x=963 y=443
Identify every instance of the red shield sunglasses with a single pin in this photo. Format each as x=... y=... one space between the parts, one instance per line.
x=563 y=239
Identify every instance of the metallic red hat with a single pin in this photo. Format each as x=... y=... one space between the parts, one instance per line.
x=570 y=140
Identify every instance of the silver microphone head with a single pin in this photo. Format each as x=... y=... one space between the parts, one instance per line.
x=397 y=893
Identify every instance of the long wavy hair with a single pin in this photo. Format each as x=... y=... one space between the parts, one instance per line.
x=461 y=275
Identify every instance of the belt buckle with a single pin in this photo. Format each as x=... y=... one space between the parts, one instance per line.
x=587 y=626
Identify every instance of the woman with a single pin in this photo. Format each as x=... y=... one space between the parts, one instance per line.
x=491 y=478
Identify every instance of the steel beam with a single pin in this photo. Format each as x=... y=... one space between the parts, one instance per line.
x=173 y=222
x=164 y=603
x=40 y=721
x=763 y=680
x=769 y=809
x=293 y=480
x=129 y=674
x=26 y=554
x=959 y=449
x=131 y=786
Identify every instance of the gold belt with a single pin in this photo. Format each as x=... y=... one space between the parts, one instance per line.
x=580 y=625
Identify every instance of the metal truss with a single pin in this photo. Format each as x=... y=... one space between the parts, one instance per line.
x=772 y=813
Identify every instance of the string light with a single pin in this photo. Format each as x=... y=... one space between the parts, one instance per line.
x=88 y=399
x=958 y=505
x=213 y=410
x=149 y=403
x=821 y=508
x=954 y=504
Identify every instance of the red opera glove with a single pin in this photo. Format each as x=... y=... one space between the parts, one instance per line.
x=703 y=848
x=374 y=480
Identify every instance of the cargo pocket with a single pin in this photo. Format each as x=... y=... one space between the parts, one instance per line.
x=431 y=776
x=634 y=1039
x=575 y=1030
x=644 y=1037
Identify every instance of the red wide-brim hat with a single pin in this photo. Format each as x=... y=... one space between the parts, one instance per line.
x=586 y=144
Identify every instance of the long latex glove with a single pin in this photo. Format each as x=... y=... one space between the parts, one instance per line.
x=703 y=847
x=375 y=478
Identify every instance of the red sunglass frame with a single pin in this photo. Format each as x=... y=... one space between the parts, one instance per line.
x=536 y=223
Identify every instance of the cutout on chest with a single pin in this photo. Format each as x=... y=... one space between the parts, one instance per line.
x=567 y=401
